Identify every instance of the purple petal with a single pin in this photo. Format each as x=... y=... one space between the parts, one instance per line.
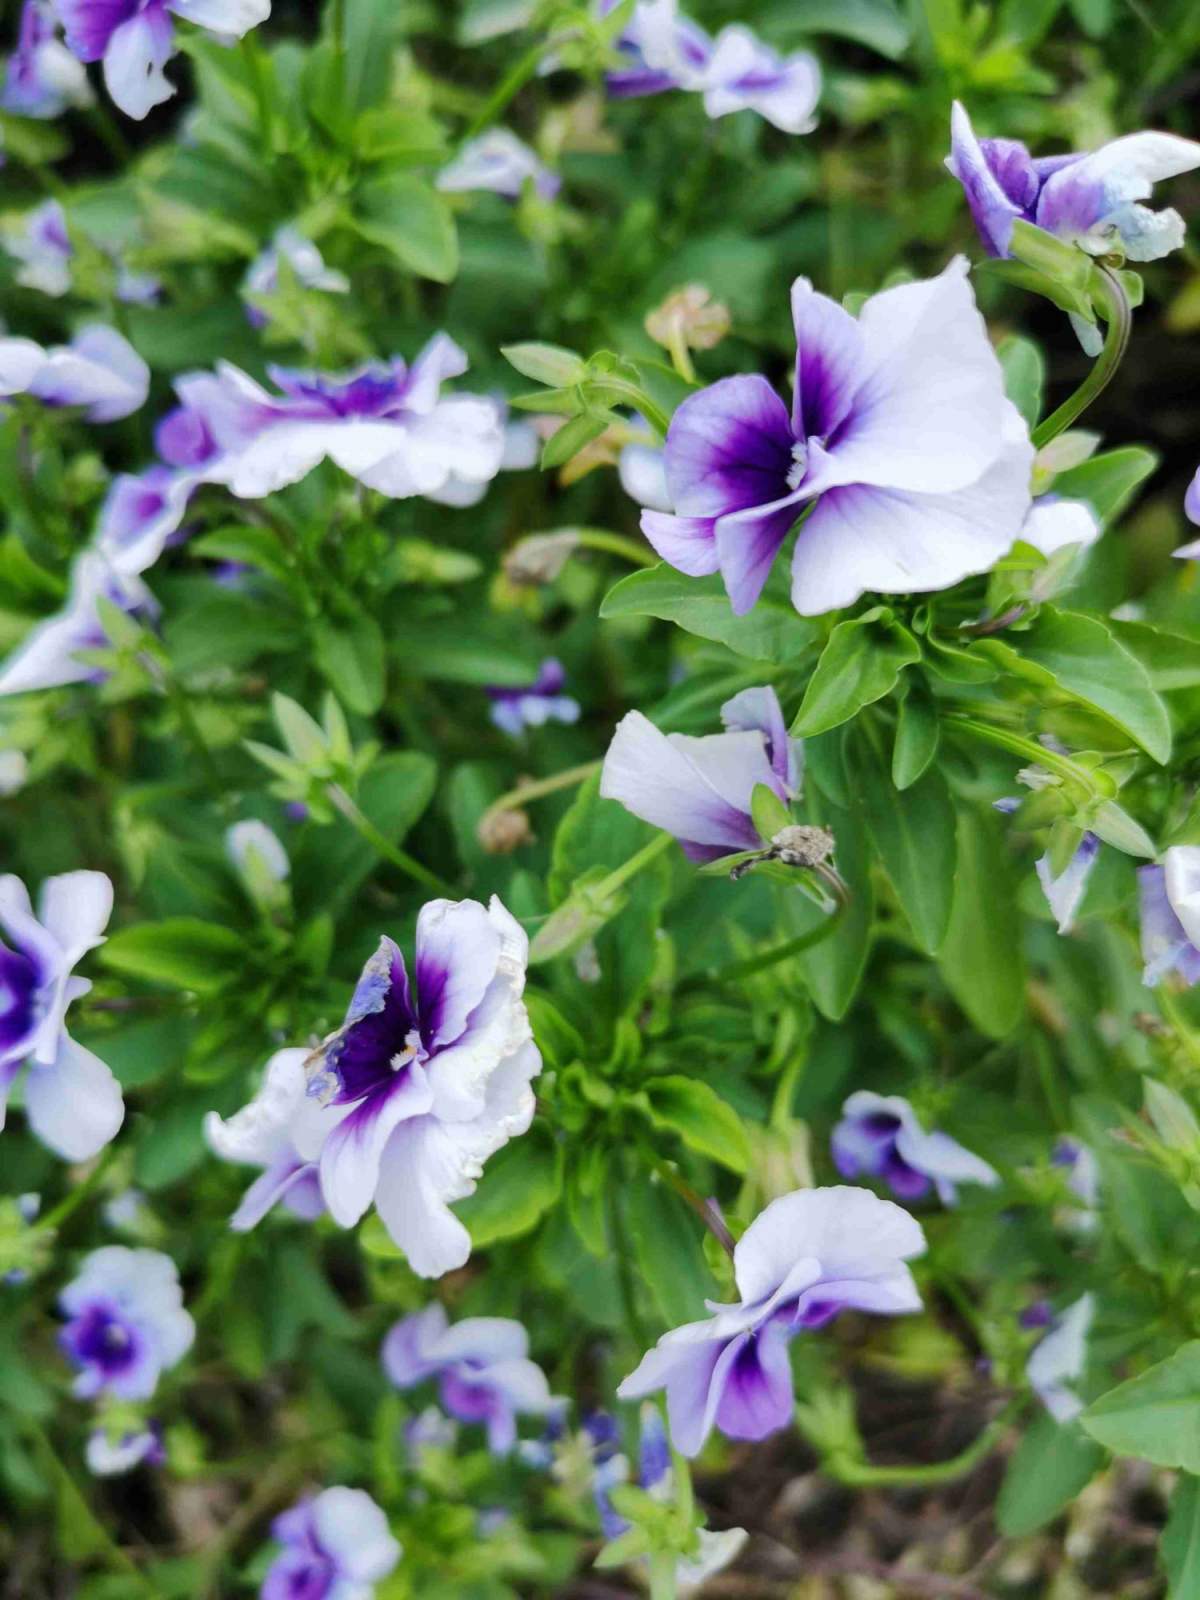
x=754 y=1380
x=134 y=58
x=689 y=544
x=747 y=544
x=829 y=362
x=457 y=952
x=728 y=448
x=992 y=206
x=90 y=24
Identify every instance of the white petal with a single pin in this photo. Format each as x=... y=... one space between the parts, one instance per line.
x=75 y=908
x=261 y=1130
x=426 y=1165
x=851 y=1232
x=1181 y=865
x=354 y=1531
x=20 y=362
x=74 y=1105
x=230 y=17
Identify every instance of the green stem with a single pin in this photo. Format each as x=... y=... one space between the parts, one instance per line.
x=1030 y=749
x=177 y=697
x=630 y=869
x=781 y=952
x=339 y=26
x=616 y=544
x=625 y=1269
x=864 y=1474
x=514 y=80
x=1116 y=341
x=81 y=1192
x=706 y=1211
x=637 y=397
x=363 y=825
x=539 y=787
x=662 y=1576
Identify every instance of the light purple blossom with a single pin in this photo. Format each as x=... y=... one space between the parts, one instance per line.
x=1083 y=1181
x=809 y=1256
x=879 y=1136
x=43 y=246
x=386 y=424
x=336 y=1546
x=542 y=701
x=430 y=1430
x=1059 y=1359
x=48 y=657
x=1191 y=510
x=307 y=267
x=282 y=1131
x=109 y=1457
x=661 y=49
x=500 y=162
x=1091 y=200
x=140 y=515
x=417 y=1088
x=72 y=1101
x=125 y=1322
x=1064 y=893
x=42 y=78
x=134 y=39
x=482 y=1367
x=1169 y=897
x=900 y=445
x=99 y=371
x=700 y=790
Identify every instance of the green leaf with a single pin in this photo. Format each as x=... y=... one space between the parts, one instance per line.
x=1180 y=1542
x=519 y=1185
x=1024 y=375
x=408 y=217
x=182 y=952
x=768 y=812
x=489 y=652
x=255 y=547
x=705 y=1122
x=350 y=655
x=1171 y=660
x=861 y=663
x=550 y=364
x=917 y=735
x=174 y=1142
x=666 y=1245
x=879 y=24
x=1107 y=482
x=833 y=969
x=1155 y=1416
x=771 y=632
x=1050 y=1466
x=913 y=831
x=571 y=438
x=981 y=957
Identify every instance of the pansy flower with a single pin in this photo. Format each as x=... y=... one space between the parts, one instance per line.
x=700 y=789
x=109 y=1457
x=72 y=1101
x=482 y=1367
x=1089 y=199
x=99 y=371
x=42 y=77
x=336 y=1546
x=48 y=658
x=1059 y=1358
x=126 y=1323
x=1169 y=899
x=500 y=162
x=805 y=1259
x=879 y=1136
x=909 y=466
x=134 y=39
x=42 y=244
x=305 y=263
x=513 y=710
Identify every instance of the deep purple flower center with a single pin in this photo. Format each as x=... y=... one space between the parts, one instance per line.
x=377 y=391
x=20 y=982
x=101 y=1339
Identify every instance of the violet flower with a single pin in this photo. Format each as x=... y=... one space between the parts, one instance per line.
x=700 y=790
x=912 y=465
x=72 y=1101
x=140 y=515
x=421 y=1083
x=99 y=371
x=809 y=1256
x=125 y=1322
x=134 y=39
x=1064 y=893
x=1058 y=1360
x=282 y=1131
x=109 y=1457
x=43 y=246
x=661 y=49
x=1169 y=897
x=42 y=77
x=386 y=424
x=499 y=162
x=879 y=1136
x=1089 y=199
x=305 y=262
x=336 y=1546
x=48 y=656
x=1191 y=510
x=482 y=1367
x=542 y=701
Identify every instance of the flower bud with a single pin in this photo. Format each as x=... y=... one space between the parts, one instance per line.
x=501 y=832
x=690 y=314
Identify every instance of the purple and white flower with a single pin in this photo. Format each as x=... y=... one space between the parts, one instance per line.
x=72 y=1101
x=1083 y=1181
x=1064 y=893
x=42 y=78
x=126 y=1323
x=336 y=1546
x=1191 y=510
x=542 y=701
x=386 y=424
x=305 y=263
x=48 y=657
x=20 y=362
x=1058 y=1360
x=43 y=246
x=431 y=1429
x=1089 y=199
x=99 y=371
x=419 y=1086
x=134 y=39
x=140 y=515
x=911 y=464
x=700 y=790
x=499 y=162
x=661 y=49
x=482 y=1367
x=1169 y=897
x=109 y=1457
x=879 y=1136
x=809 y=1256
x=282 y=1131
